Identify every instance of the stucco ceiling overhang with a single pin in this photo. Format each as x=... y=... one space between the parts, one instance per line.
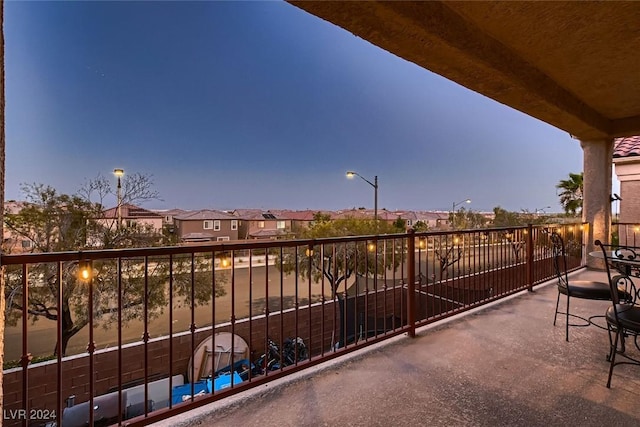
x=574 y=65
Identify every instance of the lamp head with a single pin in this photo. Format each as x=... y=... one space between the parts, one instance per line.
x=351 y=174
x=118 y=172
x=84 y=271
x=468 y=201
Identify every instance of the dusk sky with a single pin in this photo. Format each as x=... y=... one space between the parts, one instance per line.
x=257 y=105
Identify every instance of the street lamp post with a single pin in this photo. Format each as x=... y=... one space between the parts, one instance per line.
x=374 y=184
x=542 y=210
x=119 y=173
x=453 y=211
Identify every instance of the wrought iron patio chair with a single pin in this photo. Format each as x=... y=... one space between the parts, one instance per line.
x=623 y=316
x=584 y=289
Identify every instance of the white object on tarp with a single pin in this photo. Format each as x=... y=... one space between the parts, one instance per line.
x=215 y=352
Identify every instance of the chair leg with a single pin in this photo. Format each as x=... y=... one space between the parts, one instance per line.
x=557 y=304
x=567 y=322
x=614 y=350
x=610 y=331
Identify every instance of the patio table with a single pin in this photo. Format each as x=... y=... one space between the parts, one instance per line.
x=625 y=260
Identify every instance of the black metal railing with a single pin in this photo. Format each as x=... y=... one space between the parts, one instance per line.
x=139 y=334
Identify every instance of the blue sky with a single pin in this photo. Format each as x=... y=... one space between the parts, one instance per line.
x=256 y=104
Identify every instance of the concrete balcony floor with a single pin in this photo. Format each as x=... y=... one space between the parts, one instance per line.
x=504 y=365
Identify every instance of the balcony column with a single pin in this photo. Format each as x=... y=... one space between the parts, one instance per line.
x=596 y=202
x=2 y=176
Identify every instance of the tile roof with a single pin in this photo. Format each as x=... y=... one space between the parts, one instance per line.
x=204 y=214
x=246 y=212
x=131 y=211
x=198 y=236
x=256 y=214
x=353 y=213
x=422 y=215
x=259 y=234
x=296 y=215
x=627 y=146
x=172 y=212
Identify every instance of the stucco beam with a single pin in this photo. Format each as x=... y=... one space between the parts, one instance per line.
x=628 y=126
x=433 y=36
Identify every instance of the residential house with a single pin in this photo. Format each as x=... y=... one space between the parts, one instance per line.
x=169 y=214
x=352 y=213
x=13 y=242
x=368 y=214
x=258 y=224
x=435 y=220
x=300 y=220
x=626 y=160
x=206 y=225
x=131 y=214
x=387 y=216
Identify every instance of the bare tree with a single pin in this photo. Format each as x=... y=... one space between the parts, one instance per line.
x=58 y=222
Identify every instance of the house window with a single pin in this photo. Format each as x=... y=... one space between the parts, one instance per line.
x=234 y=224
x=223 y=238
x=260 y=224
x=216 y=225
x=280 y=225
x=408 y=223
x=207 y=225
x=26 y=244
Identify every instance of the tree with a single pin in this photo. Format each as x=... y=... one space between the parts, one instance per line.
x=339 y=262
x=58 y=222
x=448 y=252
x=420 y=226
x=106 y=233
x=400 y=225
x=571 y=194
x=505 y=218
x=468 y=219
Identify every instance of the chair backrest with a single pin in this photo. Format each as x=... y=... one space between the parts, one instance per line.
x=620 y=283
x=559 y=260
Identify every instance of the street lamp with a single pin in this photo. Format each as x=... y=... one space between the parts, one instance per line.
x=374 y=184
x=119 y=173
x=542 y=210
x=453 y=211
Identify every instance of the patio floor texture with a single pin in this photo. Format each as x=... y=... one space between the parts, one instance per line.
x=504 y=365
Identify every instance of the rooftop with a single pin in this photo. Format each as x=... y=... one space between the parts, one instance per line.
x=131 y=211
x=504 y=364
x=627 y=147
x=203 y=214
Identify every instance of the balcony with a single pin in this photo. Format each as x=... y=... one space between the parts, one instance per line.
x=503 y=364
x=464 y=369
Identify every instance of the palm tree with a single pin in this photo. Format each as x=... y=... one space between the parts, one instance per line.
x=571 y=194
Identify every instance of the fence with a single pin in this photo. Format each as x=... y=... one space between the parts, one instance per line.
x=124 y=324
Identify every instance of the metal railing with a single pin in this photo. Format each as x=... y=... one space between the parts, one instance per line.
x=124 y=325
x=625 y=233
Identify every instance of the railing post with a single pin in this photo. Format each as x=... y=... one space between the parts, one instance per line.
x=530 y=257
x=411 y=285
